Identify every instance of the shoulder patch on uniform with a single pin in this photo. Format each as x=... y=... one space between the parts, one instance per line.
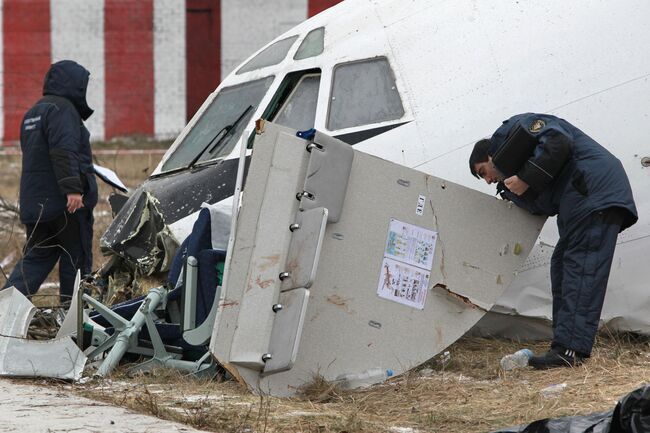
x=537 y=125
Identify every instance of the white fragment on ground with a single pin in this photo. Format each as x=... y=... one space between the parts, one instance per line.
x=301 y=413
x=180 y=410
x=102 y=213
x=426 y=372
x=444 y=359
x=157 y=391
x=7 y=260
x=553 y=391
x=109 y=385
x=203 y=398
x=403 y=430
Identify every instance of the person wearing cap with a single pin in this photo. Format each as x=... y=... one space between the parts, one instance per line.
x=58 y=189
x=568 y=174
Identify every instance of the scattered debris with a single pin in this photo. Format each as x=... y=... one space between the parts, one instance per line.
x=444 y=358
x=8 y=259
x=57 y=358
x=403 y=430
x=553 y=391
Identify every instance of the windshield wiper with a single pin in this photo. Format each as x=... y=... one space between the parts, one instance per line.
x=223 y=133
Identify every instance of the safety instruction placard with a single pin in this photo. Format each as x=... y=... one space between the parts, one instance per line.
x=407 y=263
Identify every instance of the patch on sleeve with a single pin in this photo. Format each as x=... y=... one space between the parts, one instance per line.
x=536 y=126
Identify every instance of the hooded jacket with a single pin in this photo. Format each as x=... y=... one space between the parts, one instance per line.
x=57 y=159
x=569 y=173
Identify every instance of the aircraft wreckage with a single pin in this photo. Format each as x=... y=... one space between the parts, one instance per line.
x=338 y=262
x=377 y=264
x=360 y=73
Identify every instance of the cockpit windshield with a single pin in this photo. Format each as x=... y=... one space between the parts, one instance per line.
x=216 y=133
x=272 y=55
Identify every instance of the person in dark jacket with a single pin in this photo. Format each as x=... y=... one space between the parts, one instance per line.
x=58 y=189
x=569 y=175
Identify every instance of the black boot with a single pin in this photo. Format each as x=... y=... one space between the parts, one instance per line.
x=556 y=357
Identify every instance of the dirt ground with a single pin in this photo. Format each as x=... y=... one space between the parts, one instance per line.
x=466 y=393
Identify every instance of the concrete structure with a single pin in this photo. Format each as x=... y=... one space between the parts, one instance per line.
x=153 y=62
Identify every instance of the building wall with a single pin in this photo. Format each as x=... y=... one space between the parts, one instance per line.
x=77 y=29
x=249 y=25
x=170 y=89
x=137 y=52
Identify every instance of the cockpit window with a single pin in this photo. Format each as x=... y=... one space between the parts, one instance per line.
x=299 y=110
x=363 y=93
x=312 y=45
x=215 y=134
x=272 y=55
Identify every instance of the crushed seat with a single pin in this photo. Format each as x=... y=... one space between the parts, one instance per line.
x=188 y=304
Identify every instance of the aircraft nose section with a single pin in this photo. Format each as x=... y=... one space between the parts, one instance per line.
x=139 y=233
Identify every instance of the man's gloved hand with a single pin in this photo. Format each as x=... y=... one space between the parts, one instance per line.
x=75 y=202
x=516 y=185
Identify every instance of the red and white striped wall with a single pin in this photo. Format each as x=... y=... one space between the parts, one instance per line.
x=152 y=62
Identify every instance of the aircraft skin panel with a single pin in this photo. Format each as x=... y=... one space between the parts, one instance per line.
x=348 y=328
x=626 y=305
x=16 y=313
x=58 y=358
x=401 y=145
x=462 y=98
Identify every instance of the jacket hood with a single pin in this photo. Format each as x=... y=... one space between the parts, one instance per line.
x=69 y=80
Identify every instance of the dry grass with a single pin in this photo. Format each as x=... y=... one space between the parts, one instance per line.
x=468 y=394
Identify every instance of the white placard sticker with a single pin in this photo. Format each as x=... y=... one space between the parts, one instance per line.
x=411 y=244
x=403 y=283
x=419 y=209
x=408 y=259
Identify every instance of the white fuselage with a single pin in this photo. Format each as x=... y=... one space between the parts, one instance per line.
x=462 y=67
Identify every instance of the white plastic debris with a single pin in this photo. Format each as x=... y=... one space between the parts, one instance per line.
x=59 y=358
x=516 y=360
x=444 y=358
x=553 y=391
x=403 y=430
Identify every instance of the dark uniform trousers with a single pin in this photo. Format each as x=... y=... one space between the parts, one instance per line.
x=66 y=239
x=580 y=269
